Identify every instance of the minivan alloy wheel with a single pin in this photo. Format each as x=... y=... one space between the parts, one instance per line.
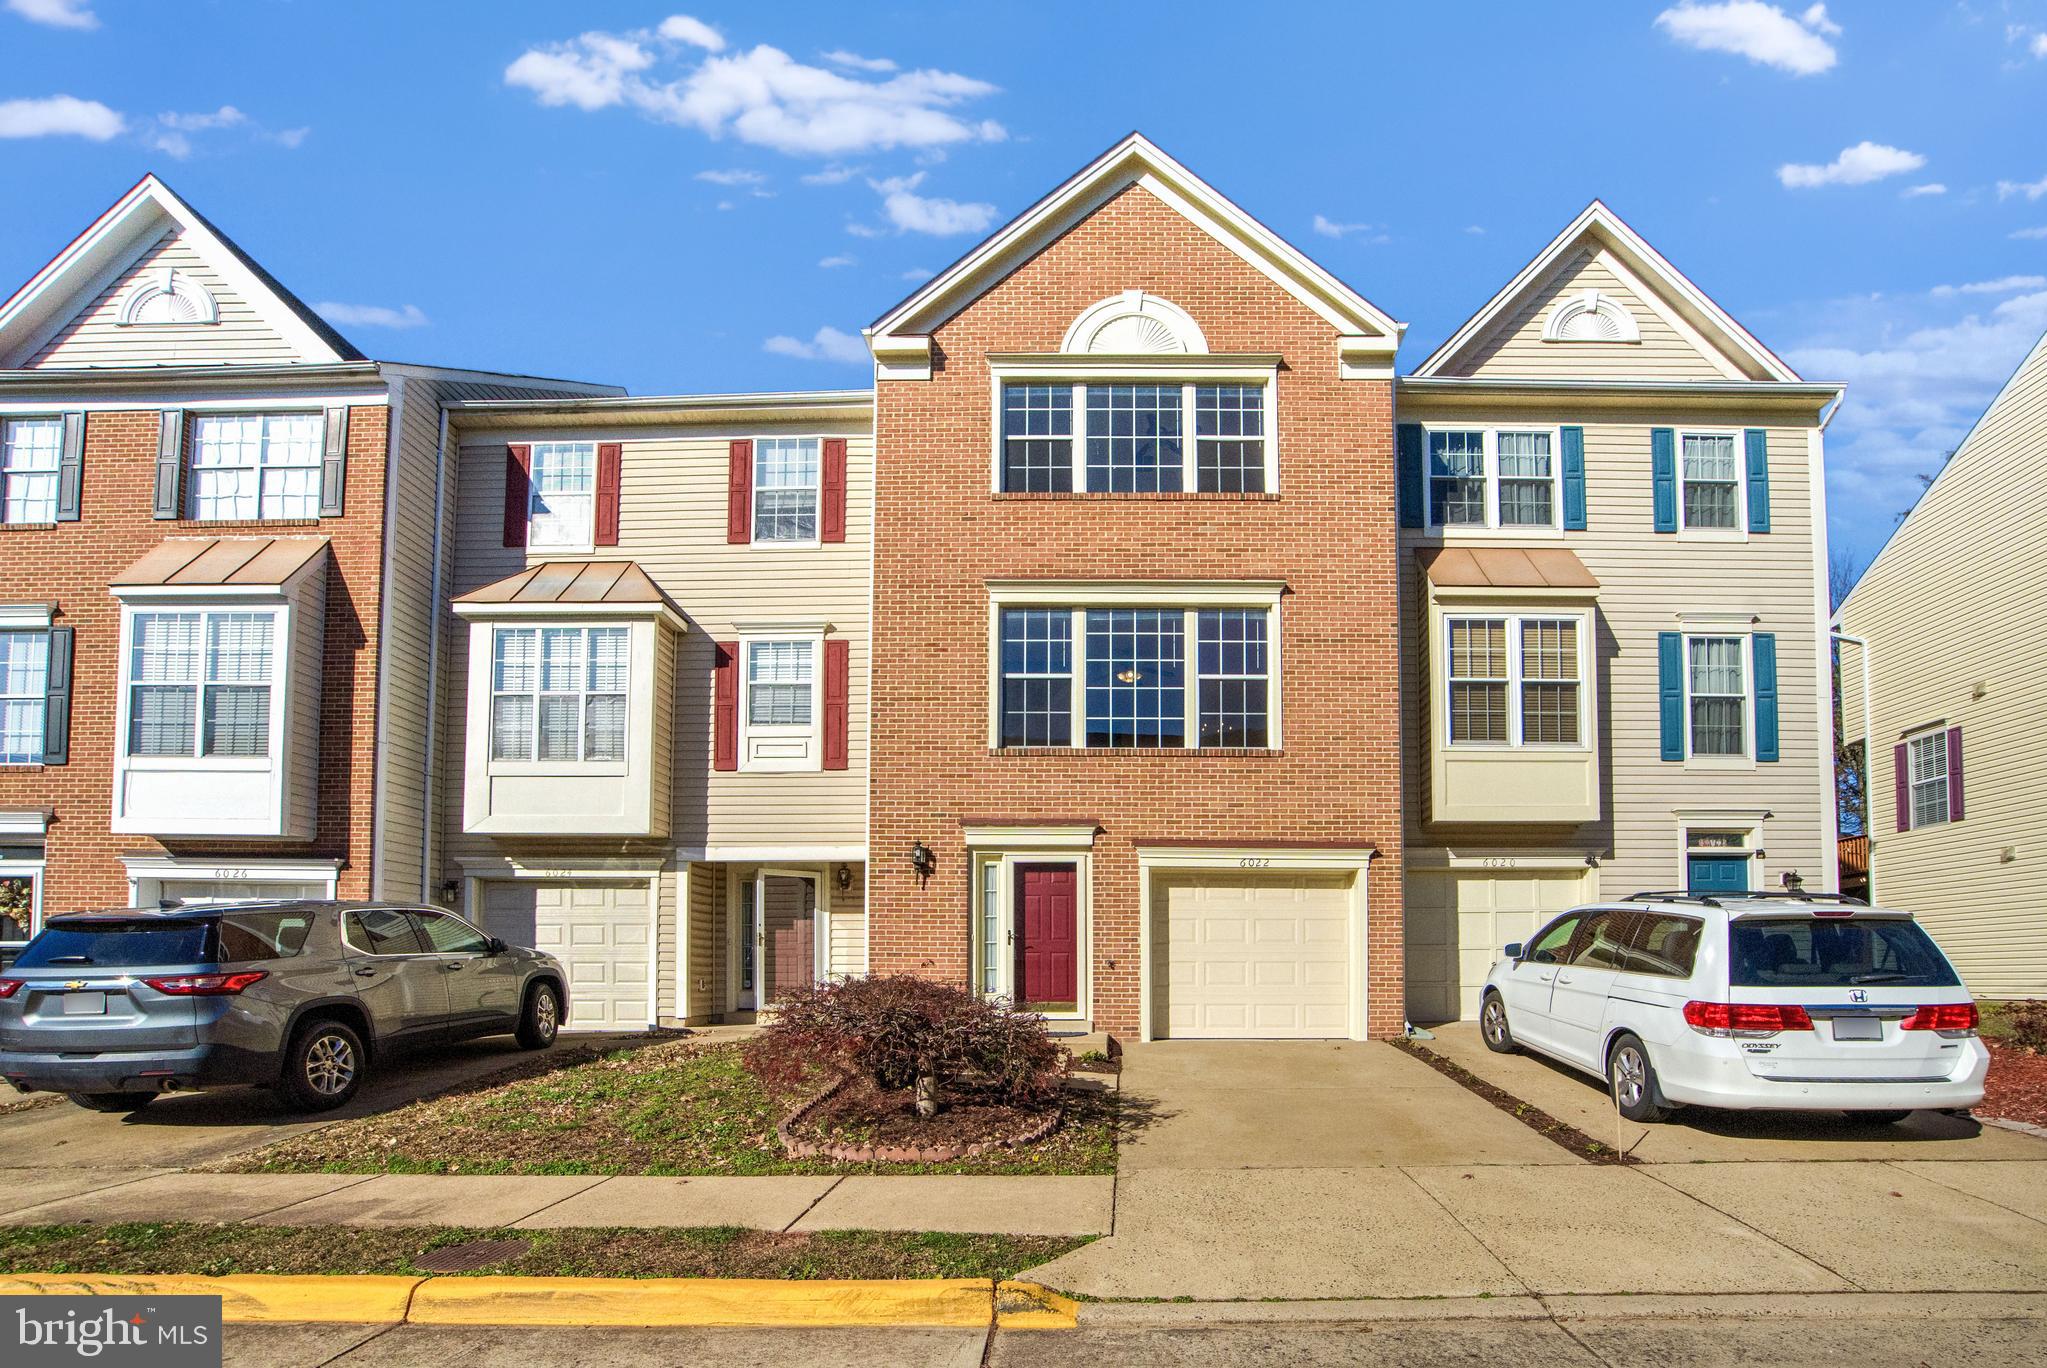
x=1631 y=1075
x=1493 y=1021
x=330 y=1064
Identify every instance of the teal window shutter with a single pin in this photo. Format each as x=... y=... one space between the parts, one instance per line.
x=1764 y=645
x=1663 y=476
x=1757 y=442
x=1573 y=439
x=1670 y=672
x=1408 y=450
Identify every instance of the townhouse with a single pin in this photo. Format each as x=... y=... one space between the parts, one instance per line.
x=1932 y=674
x=216 y=576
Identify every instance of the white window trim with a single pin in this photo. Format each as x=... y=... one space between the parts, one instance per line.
x=578 y=766
x=57 y=472
x=1187 y=372
x=1698 y=629
x=813 y=732
x=194 y=417
x=582 y=548
x=1738 y=532
x=1492 y=526
x=1004 y=862
x=157 y=869
x=743 y=892
x=754 y=489
x=1079 y=597
x=41 y=629
x=1515 y=679
x=1937 y=733
x=283 y=628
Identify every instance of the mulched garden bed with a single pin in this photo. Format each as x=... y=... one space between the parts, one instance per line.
x=2017 y=1087
x=860 y=1115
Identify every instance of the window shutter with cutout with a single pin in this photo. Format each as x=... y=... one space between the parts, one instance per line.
x=170 y=465
x=71 y=467
x=739 y=493
x=832 y=517
x=610 y=473
x=518 y=491
x=837 y=678
x=334 y=462
x=57 y=699
x=725 y=706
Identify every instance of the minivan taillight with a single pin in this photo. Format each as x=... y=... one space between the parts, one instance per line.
x=1949 y=1018
x=206 y=985
x=1745 y=1018
x=9 y=987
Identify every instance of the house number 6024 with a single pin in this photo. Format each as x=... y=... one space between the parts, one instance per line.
x=1254 y=862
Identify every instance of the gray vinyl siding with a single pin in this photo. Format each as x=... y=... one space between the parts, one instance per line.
x=1646 y=580
x=94 y=337
x=1955 y=612
x=1514 y=347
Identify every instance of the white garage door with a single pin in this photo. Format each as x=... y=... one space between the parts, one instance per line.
x=1254 y=956
x=598 y=931
x=1458 y=920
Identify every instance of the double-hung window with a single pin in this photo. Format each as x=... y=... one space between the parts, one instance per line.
x=1119 y=678
x=1711 y=496
x=1515 y=680
x=1493 y=478
x=562 y=495
x=24 y=686
x=1135 y=438
x=780 y=679
x=256 y=465
x=1716 y=685
x=1927 y=774
x=785 y=489
x=558 y=694
x=29 y=451
x=199 y=683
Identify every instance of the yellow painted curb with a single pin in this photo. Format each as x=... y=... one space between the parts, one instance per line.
x=1029 y=1306
x=700 y=1302
x=355 y=1301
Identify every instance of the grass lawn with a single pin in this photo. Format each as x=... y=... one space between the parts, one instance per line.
x=676 y=1108
x=220 y=1251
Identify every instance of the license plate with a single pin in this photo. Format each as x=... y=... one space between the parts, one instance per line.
x=1858 y=1028
x=85 y=1004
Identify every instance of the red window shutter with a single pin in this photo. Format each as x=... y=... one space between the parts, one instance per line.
x=610 y=471
x=725 y=707
x=836 y=672
x=739 y=494
x=832 y=521
x=1954 y=774
x=518 y=491
x=1902 y=771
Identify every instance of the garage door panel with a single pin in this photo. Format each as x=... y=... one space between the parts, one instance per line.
x=1255 y=956
x=599 y=931
x=1458 y=920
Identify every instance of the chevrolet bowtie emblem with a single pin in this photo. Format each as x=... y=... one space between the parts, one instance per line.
x=75 y=983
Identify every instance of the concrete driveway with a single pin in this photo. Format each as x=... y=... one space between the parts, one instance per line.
x=186 y=1130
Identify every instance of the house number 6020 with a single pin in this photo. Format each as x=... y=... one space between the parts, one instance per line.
x=1254 y=862
x=1497 y=862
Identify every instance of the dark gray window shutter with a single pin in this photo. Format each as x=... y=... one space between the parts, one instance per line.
x=334 y=462
x=71 y=467
x=57 y=700
x=170 y=465
x=1409 y=484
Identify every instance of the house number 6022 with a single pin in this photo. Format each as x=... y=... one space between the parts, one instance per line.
x=1254 y=862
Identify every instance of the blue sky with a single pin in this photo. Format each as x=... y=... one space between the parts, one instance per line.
x=719 y=198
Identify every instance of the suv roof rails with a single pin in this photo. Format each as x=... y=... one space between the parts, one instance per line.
x=1760 y=895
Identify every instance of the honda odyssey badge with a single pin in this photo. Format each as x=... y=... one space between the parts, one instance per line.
x=1858 y=995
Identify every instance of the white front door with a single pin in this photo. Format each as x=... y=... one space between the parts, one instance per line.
x=601 y=933
x=1255 y=956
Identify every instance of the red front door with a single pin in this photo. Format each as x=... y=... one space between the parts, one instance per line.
x=1048 y=935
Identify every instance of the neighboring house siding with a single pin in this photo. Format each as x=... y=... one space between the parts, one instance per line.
x=1954 y=614
x=95 y=337
x=1514 y=348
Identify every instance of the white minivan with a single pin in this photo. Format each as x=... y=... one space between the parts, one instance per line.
x=1800 y=1001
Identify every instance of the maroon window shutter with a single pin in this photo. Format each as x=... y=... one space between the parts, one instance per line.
x=1954 y=774
x=518 y=491
x=610 y=470
x=725 y=707
x=1901 y=769
x=836 y=658
x=739 y=494
x=832 y=523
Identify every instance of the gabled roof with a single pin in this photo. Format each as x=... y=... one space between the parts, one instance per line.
x=136 y=222
x=903 y=332
x=1599 y=226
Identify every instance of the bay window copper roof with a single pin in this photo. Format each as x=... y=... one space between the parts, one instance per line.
x=1505 y=567
x=572 y=582
x=221 y=562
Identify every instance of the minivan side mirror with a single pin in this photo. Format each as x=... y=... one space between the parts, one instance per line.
x=1513 y=950
x=496 y=946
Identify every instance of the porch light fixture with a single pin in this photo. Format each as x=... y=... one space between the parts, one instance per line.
x=922 y=860
x=844 y=878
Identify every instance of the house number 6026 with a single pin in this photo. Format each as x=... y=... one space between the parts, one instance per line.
x=1254 y=862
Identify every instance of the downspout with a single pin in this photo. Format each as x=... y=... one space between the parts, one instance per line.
x=433 y=666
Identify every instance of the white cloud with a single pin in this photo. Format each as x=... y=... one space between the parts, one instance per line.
x=371 y=315
x=865 y=230
x=1329 y=227
x=1857 y=165
x=59 y=116
x=1930 y=188
x=1762 y=33
x=843 y=58
x=2030 y=234
x=227 y=116
x=72 y=14
x=914 y=213
x=918 y=273
x=1474 y=230
x=760 y=96
x=833 y=175
x=2039 y=45
x=826 y=344
x=2032 y=190
x=732 y=177
x=289 y=137
x=832 y=263
x=2010 y=284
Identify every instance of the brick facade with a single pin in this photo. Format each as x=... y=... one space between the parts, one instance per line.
x=71 y=565
x=1328 y=533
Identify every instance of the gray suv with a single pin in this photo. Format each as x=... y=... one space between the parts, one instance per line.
x=115 y=1007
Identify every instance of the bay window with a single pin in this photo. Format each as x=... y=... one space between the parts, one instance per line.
x=1514 y=680
x=256 y=465
x=199 y=683
x=559 y=693
x=1138 y=438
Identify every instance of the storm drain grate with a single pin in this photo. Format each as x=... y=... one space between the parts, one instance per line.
x=467 y=1258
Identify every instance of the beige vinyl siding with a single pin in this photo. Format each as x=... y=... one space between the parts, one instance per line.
x=1956 y=616
x=667 y=943
x=849 y=922
x=705 y=968
x=94 y=337
x=309 y=606
x=1514 y=347
x=1646 y=580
